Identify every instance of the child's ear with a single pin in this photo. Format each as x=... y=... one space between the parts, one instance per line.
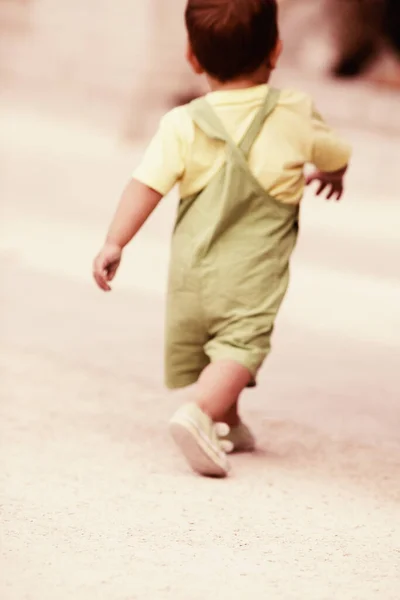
x=192 y=60
x=275 y=55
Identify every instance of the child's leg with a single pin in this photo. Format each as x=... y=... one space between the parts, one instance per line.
x=217 y=395
x=231 y=417
x=194 y=426
x=218 y=389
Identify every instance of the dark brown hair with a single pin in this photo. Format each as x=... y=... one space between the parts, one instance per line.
x=231 y=38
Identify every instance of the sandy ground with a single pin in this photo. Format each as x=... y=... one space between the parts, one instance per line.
x=96 y=502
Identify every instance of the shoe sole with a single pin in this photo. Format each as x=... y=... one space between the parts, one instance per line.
x=202 y=457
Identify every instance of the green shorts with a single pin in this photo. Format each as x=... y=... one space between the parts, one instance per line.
x=205 y=324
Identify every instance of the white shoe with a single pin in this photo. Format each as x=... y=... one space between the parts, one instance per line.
x=240 y=438
x=200 y=441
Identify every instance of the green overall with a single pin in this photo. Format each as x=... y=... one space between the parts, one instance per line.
x=229 y=261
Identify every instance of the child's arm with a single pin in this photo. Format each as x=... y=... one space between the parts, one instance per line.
x=136 y=205
x=330 y=154
x=160 y=169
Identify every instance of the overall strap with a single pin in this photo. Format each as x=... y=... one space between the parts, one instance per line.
x=208 y=121
x=257 y=124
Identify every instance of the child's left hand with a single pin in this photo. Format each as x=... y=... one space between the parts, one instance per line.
x=106 y=265
x=332 y=183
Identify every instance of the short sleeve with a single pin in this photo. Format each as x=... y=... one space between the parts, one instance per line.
x=329 y=152
x=163 y=165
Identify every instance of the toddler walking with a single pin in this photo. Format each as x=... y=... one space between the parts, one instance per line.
x=238 y=155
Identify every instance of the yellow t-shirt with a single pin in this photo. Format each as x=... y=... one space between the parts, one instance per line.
x=293 y=135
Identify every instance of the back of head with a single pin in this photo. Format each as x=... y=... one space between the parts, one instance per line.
x=232 y=38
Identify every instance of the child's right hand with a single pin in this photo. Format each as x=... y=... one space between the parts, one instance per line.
x=106 y=265
x=329 y=183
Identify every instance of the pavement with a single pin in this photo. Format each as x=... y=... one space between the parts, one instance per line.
x=95 y=500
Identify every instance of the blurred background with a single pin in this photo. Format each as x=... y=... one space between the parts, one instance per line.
x=82 y=87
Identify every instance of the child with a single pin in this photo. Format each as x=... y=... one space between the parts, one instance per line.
x=238 y=155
